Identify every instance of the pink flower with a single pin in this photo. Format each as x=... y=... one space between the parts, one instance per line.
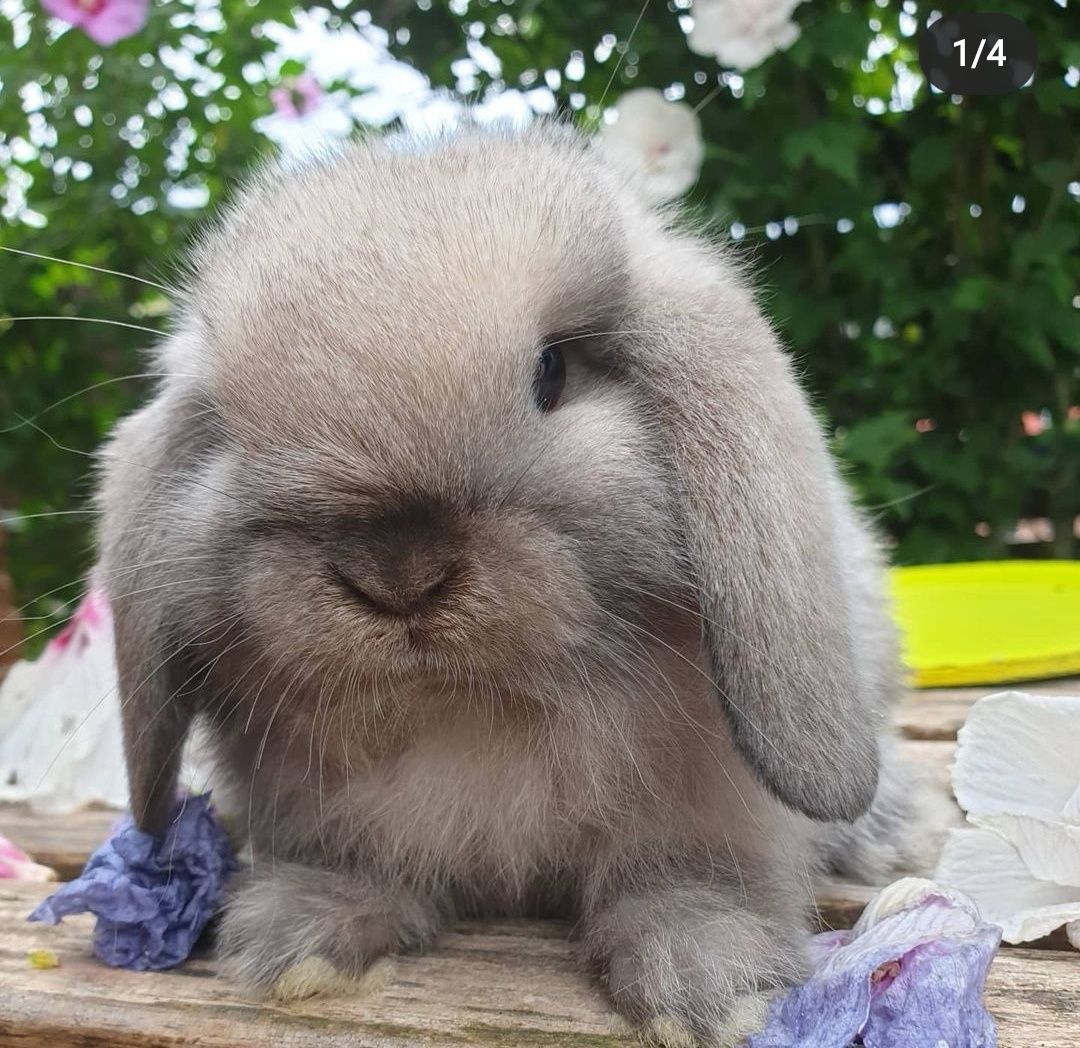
x=104 y=21
x=297 y=96
x=15 y=864
x=1032 y=422
x=92 y=614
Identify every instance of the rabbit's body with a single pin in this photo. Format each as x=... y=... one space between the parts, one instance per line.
x=465 y=641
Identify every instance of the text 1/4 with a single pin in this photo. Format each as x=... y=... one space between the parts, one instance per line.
x=995 y=54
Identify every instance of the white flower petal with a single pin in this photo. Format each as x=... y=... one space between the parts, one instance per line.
x=60 y=736
x=743 y=53
x=17 y=693
x=62 y=748
x=658 y=141
x=784 y=35
x=1071 y=811
x=315 y=132
x=988 y=869
x=1072 y=930
x=1020 y=754
x=1048 y=848
x=909 y=892
x=742 y=33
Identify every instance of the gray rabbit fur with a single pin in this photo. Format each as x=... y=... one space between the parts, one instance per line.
x=628 y=659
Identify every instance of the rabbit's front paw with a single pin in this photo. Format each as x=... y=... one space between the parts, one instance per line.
x=689 y=966
x=299 y=931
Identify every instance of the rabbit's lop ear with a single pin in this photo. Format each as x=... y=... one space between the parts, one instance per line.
x=137 y=554
x=758 y=496
x=155 y=720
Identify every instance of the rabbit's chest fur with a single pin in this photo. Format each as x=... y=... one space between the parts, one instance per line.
x=491 y=801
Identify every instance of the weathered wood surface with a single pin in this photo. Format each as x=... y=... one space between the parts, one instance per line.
x=505 y=983
x=938 y=713
x=63 y=842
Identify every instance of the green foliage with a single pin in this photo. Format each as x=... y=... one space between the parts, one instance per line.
x=960 y=315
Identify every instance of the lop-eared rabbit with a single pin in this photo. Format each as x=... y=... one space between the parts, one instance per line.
x=482 y=523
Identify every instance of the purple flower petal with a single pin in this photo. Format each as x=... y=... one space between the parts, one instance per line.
x=936 y=997
x=152 y=898
x=910 y=979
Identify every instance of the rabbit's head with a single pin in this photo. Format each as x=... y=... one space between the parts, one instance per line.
x=469 y=412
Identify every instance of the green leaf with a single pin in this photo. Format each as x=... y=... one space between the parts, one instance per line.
x=973 y=293
x=832 y=145
x=874 y=442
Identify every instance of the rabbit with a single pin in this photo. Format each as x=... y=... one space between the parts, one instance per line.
x=481 y=523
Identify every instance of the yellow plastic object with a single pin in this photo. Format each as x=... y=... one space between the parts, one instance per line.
x=989 y=622
x=42 y=960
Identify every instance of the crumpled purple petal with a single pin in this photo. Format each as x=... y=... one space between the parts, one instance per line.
x=937 y=997
x=152 y=897
x=911 y=979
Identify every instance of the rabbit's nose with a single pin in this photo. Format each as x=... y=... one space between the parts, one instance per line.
x=402 y=592
x=407 y=564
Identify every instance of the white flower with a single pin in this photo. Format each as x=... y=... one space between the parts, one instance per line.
x=1017 y=775
x=59 y=719
x=659 y=141
x=305 y=120
x=742 y=33
x=60 y=737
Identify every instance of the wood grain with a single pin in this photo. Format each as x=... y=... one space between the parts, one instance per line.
x=507 y=983
x=497 y=984
x=938 y=713
x=63 y=842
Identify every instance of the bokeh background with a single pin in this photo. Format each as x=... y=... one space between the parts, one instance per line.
x=918 y=252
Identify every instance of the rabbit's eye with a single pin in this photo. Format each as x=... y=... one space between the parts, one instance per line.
x=550 y=378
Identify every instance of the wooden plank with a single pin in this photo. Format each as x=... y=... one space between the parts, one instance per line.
x=938 y=713
x=505 y=983
x=839 y=903
x=63 y=842
x=934 y=759
x=496 y=984
x=927 y=720
x=1035 y=997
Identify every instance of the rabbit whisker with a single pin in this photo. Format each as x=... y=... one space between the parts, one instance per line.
x=85 y=320
x=86 y=265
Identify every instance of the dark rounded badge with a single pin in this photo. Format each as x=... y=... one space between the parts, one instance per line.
x=977 y=54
